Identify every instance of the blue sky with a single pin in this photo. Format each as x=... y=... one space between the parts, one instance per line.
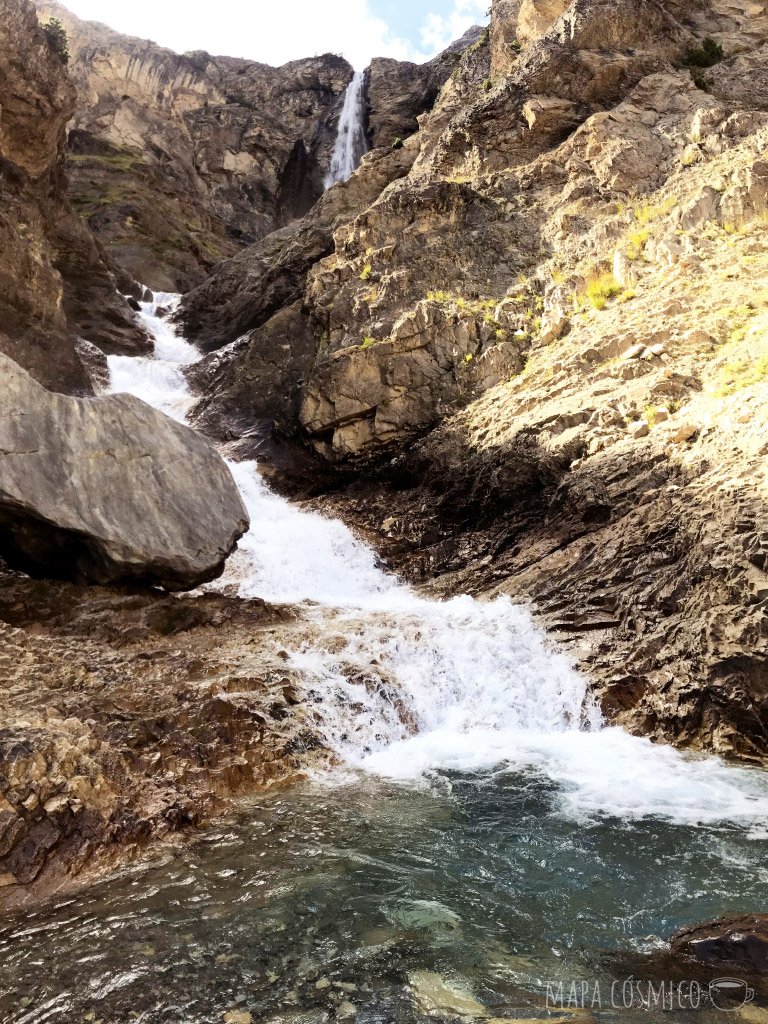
x=275 y=31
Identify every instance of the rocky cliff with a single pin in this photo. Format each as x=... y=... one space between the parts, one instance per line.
x=54 y=284
x=543 y=341
x=178 y=161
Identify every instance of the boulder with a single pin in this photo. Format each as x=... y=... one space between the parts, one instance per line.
x=108 y=489
x=729 y=944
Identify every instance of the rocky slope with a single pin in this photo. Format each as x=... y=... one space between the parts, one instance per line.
x=543 y=344
x=54 y=283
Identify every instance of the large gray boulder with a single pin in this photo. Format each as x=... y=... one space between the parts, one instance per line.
x=108 y=490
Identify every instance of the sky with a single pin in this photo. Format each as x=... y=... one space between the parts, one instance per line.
x=276 y=31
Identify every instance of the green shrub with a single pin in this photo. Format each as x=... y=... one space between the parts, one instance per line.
x=704 y=56
x=54 y=32
x=636 y=243
x=365 y=273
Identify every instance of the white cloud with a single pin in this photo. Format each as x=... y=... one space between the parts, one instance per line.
x=439 y=30
x=276 y=31
x=263 y=30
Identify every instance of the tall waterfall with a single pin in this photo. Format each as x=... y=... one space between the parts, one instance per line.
x=406 y=687
x=351 y=139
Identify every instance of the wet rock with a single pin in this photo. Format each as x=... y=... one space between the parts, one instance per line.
x=129 y=715
x=109 y=489
x=440 y=996
x=727 y=944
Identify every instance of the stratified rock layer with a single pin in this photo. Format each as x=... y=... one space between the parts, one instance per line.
x=54 y=283
x=110 y=490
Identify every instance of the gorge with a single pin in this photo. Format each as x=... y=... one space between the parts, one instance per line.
x=383 y=583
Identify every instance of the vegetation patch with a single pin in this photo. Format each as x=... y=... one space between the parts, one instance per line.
x=742 y=372
x=482 y=308
x=602 y=286
x=56 y=37
x=636 y=243
x=647 y=213
x=706 y=55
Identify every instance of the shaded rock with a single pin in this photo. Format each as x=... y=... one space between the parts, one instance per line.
x=245 y=291
x=109 y=489
x=399 y=91
x=254 y=379
x=727 y=944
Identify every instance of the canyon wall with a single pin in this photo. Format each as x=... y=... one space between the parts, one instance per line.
x=55 y=285
x=176 y=162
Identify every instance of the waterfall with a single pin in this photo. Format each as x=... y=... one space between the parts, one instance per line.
x=407 y=687
x=351 y=139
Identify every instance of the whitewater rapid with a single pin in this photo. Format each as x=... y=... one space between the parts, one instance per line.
x=412 y=689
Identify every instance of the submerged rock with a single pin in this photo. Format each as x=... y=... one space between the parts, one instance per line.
x=109 y=489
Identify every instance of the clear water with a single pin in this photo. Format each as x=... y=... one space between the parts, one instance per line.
x=483 y=833
x=479 y=887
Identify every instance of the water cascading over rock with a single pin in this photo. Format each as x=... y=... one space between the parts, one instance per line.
x=351 y=140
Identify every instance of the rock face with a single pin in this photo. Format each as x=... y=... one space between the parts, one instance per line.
x=54 y=283
x=177 y=162
x=399 y=92
x=362 y=402
x=251 y=310
x=110 y=490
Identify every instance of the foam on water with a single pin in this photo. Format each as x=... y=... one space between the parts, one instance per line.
x=414 y=690
x=157 y=379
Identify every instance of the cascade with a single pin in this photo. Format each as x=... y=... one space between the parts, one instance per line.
x=406 y=688
x=351 y=139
